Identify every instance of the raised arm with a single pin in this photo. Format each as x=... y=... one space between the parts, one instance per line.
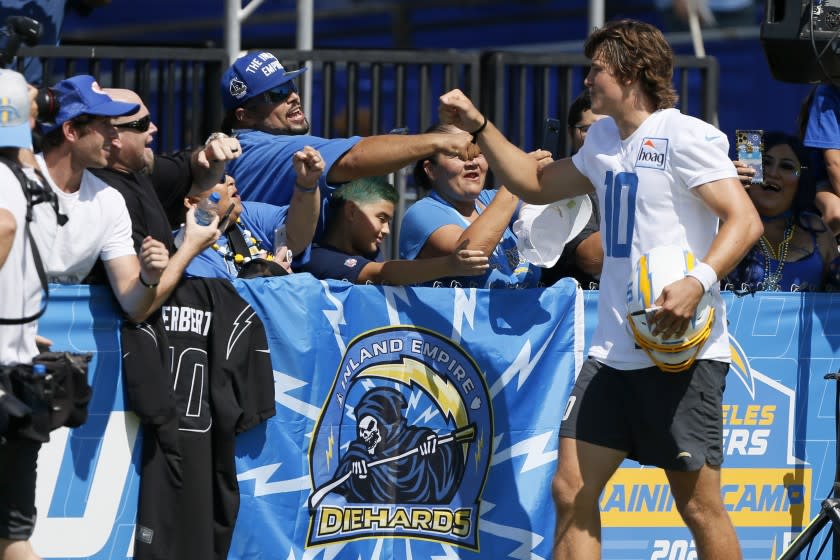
x=513 y=168
x=380 y=155
x=305 y=206
x=207 y=163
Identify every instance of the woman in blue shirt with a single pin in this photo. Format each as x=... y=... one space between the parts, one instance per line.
x=458 y=209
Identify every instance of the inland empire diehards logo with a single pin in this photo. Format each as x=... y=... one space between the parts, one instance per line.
x=402 y=446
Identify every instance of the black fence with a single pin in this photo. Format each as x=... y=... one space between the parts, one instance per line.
x=362 y=91
x=522 y=89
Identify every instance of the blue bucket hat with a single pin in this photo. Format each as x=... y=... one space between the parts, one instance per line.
x=252 y=75
x=81 y=95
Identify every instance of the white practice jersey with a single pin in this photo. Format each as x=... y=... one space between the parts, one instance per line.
x=644 y=185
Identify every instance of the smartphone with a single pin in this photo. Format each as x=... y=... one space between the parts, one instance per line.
x=223 y=220
x=552 y=130
x=749 y=145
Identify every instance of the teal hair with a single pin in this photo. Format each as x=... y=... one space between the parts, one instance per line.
x=366 y=190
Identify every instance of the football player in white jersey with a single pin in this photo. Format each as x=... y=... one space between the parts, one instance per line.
x=661 y=178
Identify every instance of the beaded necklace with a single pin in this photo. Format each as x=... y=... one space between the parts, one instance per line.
x=254 y=247
x=773 y=280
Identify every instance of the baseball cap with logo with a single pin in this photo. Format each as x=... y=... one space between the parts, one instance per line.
x=252 y=75
x=81 y=95
x=14 y=111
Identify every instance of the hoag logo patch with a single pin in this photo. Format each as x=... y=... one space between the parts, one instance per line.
x=653 y=154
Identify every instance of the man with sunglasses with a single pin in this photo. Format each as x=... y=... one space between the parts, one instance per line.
x=263 y=109
x=154 y=186
x=98 y=225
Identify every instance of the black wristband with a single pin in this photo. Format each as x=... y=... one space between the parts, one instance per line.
x=150 y=286
x=480 y=130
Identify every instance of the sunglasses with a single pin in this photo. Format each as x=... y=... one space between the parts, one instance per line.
x=140 y=125
x=280 y=94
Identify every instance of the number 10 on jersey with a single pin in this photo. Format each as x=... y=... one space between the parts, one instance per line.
x=619 y=212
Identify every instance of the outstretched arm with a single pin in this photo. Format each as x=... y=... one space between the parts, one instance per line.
x=463 y=262
x=515 y=169
x=380 y=155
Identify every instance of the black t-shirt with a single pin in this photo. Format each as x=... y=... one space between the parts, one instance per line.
x=325 y=262
x=155 y=202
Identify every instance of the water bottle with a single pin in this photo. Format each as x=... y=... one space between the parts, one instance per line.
x=207 y=209
x=39 y=369
x=281 y=240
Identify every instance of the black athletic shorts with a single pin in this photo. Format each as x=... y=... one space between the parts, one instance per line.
x=18 y=461
x=668 y=420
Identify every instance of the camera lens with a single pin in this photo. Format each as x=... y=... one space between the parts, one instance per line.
x=47 y=105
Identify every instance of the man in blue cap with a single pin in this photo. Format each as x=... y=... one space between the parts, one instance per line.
x=99 y=225
x=263 y=109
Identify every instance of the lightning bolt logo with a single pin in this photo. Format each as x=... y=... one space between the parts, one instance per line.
x=479 y=447
x=283 y=385
x=522 y=364
x=413 y=373
x=237 y=333
x=263 y=487
x=533 y=448
x=527 y=540
x=335 y=316
x=740 y=366
x=392 y=294
x=331 y=445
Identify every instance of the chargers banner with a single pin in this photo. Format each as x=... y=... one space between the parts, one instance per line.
x=406 y=425
x=422 y=423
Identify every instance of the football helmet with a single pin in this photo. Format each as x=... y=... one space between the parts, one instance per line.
x=653 y=271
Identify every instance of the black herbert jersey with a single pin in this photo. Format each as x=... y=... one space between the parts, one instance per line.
x=197 y=374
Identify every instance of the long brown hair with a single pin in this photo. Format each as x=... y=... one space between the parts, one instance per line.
x=637 y=51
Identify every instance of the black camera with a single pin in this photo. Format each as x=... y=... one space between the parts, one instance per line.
x=17 y=30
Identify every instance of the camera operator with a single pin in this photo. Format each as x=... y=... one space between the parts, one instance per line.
x=21 y=289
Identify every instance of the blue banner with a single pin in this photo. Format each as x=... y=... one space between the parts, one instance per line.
x=422 y=423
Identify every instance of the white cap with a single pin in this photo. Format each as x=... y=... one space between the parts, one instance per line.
x=543 y=230
x=14 y=111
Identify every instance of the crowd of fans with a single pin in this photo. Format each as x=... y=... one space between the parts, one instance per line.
x=295 y=203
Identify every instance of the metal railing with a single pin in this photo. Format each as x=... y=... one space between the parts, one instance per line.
x=179 y=86
x=521 y=89
x=363 y=91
